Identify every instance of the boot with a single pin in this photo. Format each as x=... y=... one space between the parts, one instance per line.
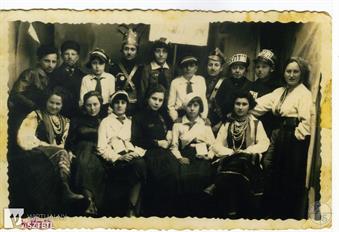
x=91 y=209
x=66 y=190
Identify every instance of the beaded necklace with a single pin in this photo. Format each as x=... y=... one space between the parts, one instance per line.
x=238 y=131
x=56 y=124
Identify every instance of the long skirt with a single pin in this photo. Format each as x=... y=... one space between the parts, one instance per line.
x=39 y=180
x=122 y=176
x=193 y=179
x=239 y=186
x=162 y=183
x=89 y=172
x=286 y=173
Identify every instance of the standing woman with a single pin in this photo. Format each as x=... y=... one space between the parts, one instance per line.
x=126 y=169
x=89 y=171
x=286 y=158
x=151 y=130
x=192 y=138
x=43 y=134
x=240 y=142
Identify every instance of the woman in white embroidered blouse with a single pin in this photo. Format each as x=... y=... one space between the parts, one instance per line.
x=240 y=142
x=124 y=160
x=285 y=161
x=43 y=134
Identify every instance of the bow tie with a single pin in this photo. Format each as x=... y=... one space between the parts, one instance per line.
x=121 y=119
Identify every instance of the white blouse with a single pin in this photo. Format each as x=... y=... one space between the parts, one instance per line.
x=298 y=103
x=199 y=131
x=89 y=83
x=178 y=93
x=260 y=140
x=26 y=137
x=114 y=137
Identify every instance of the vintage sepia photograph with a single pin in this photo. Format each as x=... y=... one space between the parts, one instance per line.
x=158 y=114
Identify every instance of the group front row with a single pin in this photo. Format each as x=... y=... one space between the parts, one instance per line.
x=150 y=166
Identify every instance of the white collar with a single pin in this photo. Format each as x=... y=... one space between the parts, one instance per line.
x=198 y=120
x=155 y=65
x=103 y=75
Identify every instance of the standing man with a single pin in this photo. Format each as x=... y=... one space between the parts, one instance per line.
x=128 y=71
x=69 y=76
x=214 y=79
x=26 y=93
x=237 y=82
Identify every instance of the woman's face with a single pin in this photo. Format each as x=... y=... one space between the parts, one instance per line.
x=193 y=109
x=98 y=66
x=238 y=70
x=190 y=69
x=156 y=100
x=241 y=107
x=70 y=57
x=129 y=51
x=160 y=55
x=92 y=106
x=292 y=74
x=49 y=62
x=54 y=104
x=119 y=107
x=262 y=70
x=214 y=68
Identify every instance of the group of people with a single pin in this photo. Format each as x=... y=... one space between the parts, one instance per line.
x=134 y=139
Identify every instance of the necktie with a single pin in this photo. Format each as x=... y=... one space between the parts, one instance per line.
x=189 y=88
x=121 y=119
x=98 y=85
x=190 y=124
x=162 y=79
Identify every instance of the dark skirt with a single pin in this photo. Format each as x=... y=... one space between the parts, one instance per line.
x=239 y=186
x=286 y=161
x=162 y=182
x=37 y=181
x=89 y=172
x=196 y=176
x=121 y=177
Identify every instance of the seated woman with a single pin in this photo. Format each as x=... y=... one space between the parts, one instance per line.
x=151 y=130
x=125 y=168
x=192 y=137
x=82 y=140
x=239 y=144
x=42 y=134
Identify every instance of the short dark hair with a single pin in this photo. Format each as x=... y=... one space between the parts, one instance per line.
x=46 y=49
x=244 y=94
x=59 y=91
x=198 y=100
x=304 y=69
x=93 y=93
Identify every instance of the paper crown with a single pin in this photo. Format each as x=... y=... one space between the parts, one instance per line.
x=266 y=55
x=130 y=36
x=217 y=55
x=120 y=94
x=187 y=59
x=239 y=58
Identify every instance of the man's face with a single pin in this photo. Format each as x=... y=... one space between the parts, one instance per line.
x=262 y=70
x=70 y=57
x=48 y=62
x=238 y=70
x=214 y=68
x=129 y=51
